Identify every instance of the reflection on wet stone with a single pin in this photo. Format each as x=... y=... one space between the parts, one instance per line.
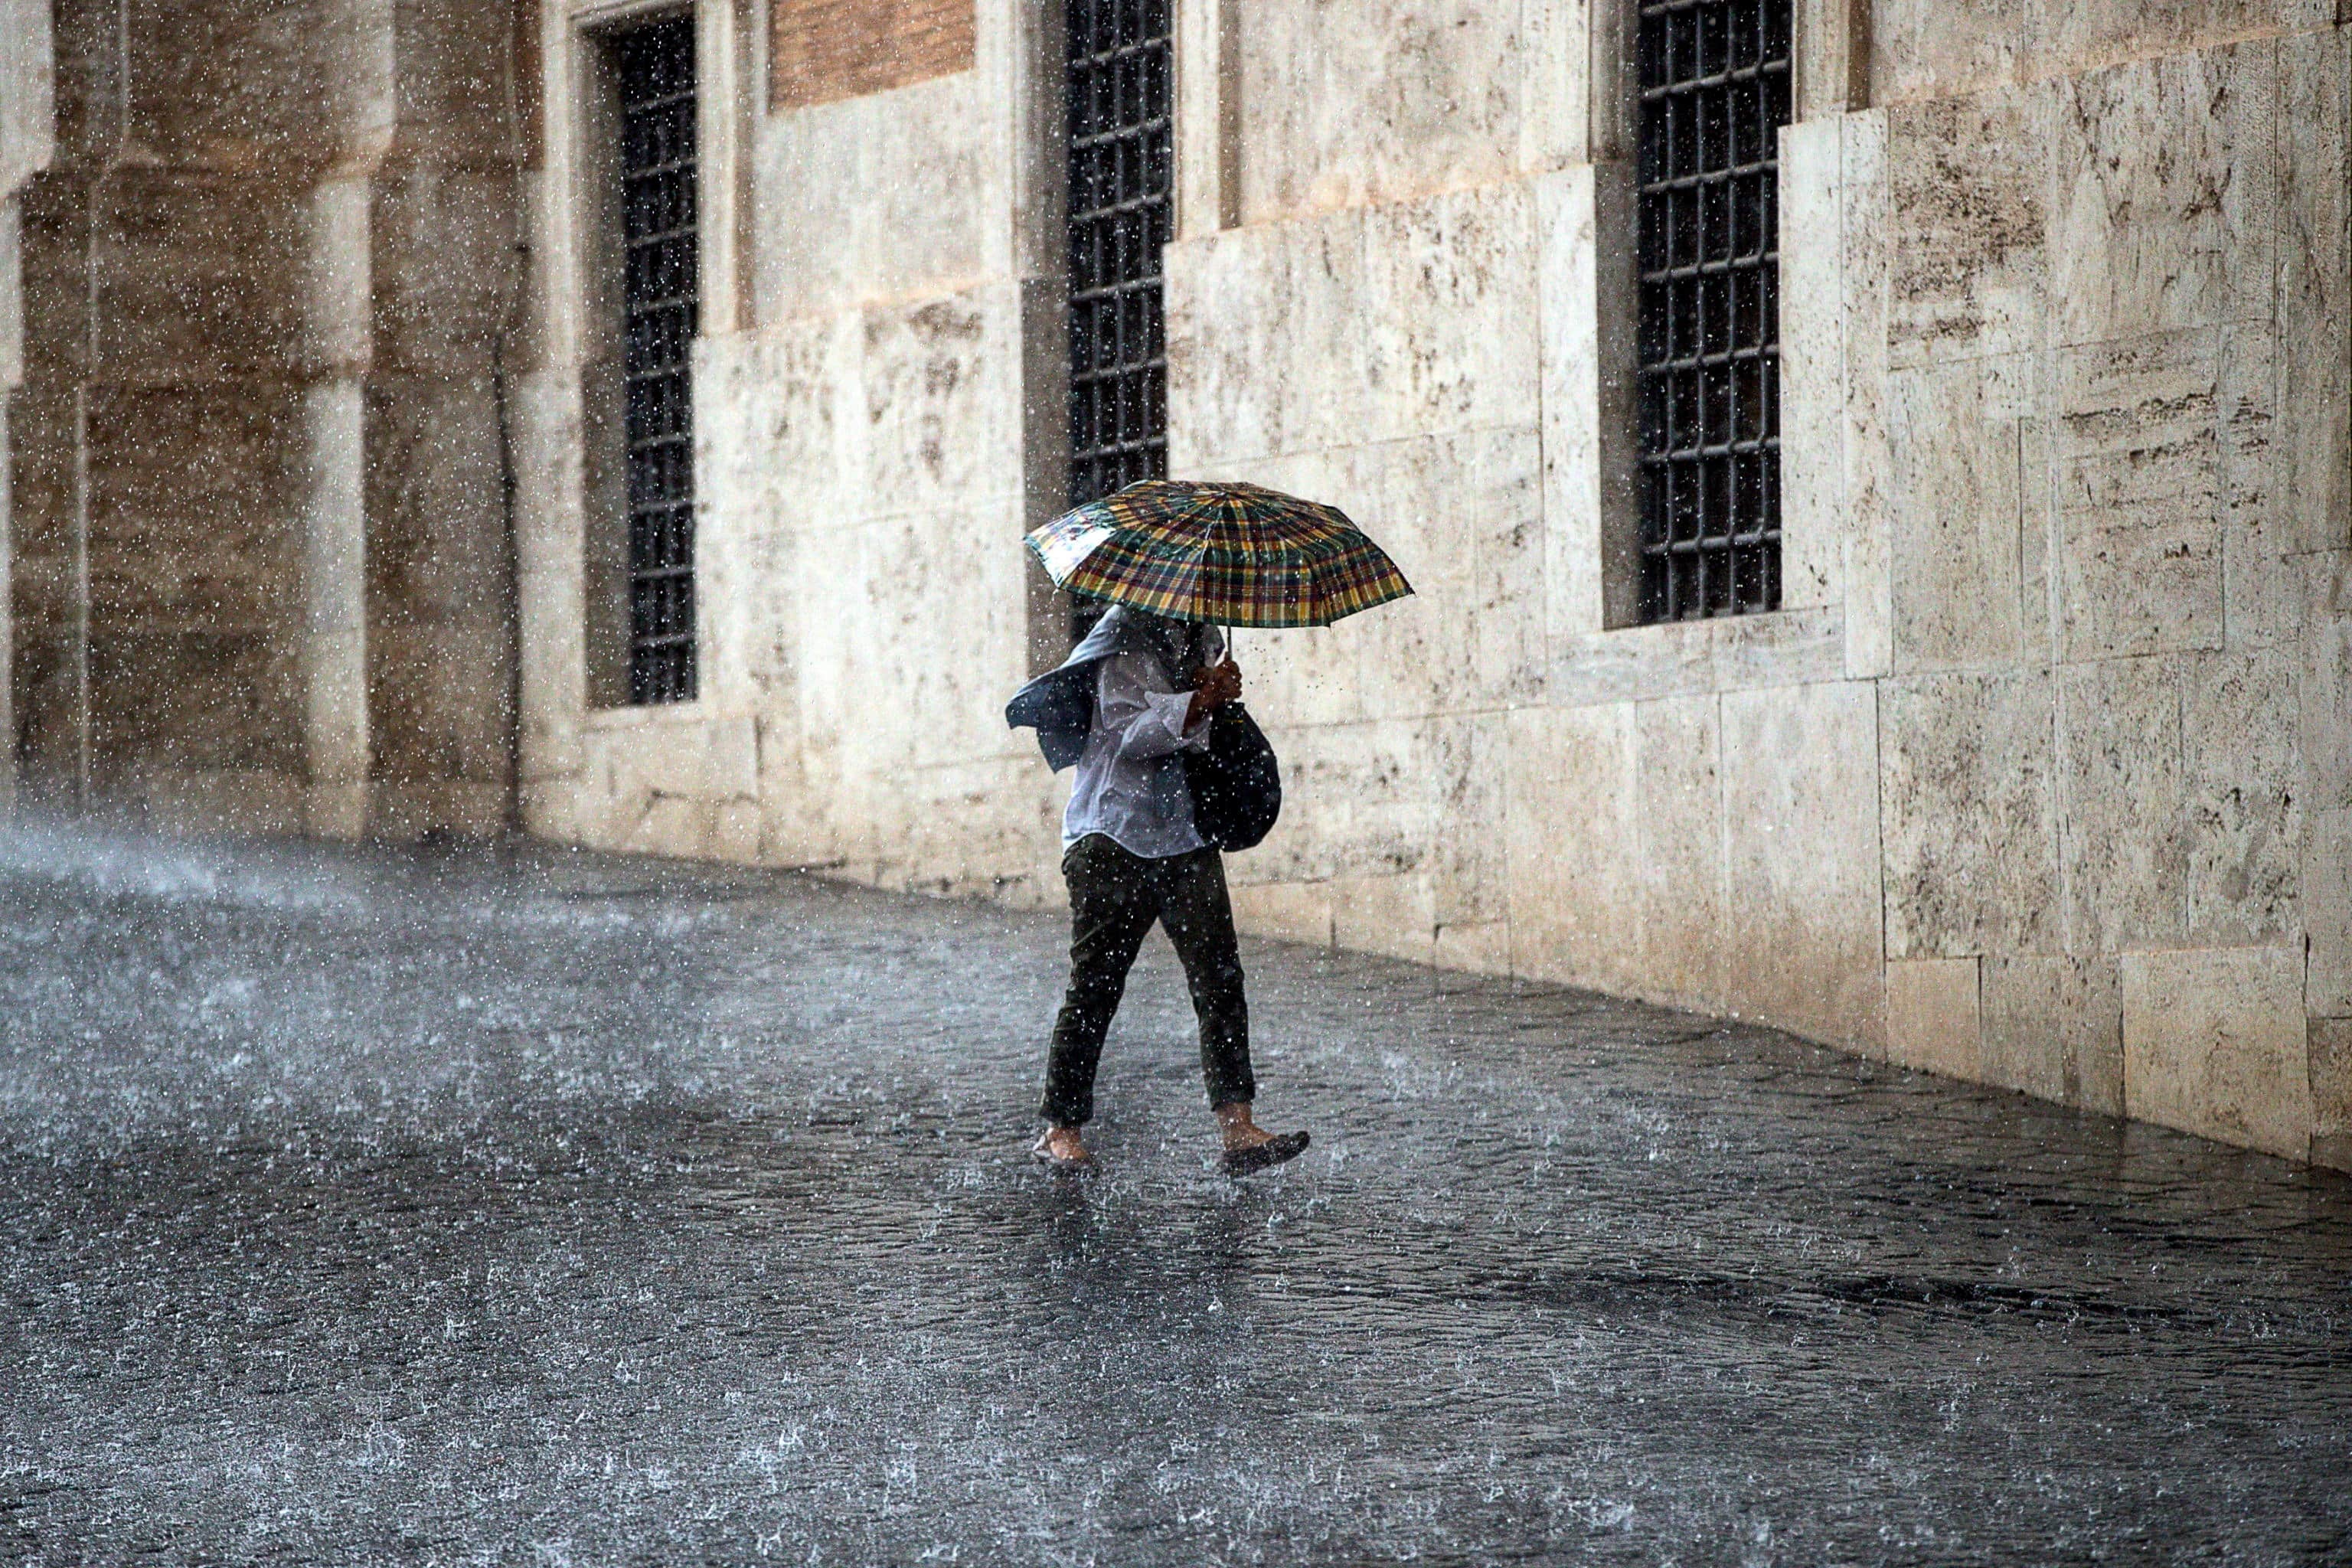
x=535 y=1207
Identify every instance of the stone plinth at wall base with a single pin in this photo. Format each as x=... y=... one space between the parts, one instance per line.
x=2214 y=1044
x=239 y=801
x=336 y=809
x=2331 y=1092
x=403 y=811
x=1934 y=1015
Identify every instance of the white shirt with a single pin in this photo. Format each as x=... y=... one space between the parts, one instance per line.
x=1131 y=779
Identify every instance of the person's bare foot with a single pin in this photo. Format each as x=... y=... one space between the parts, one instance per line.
x=1062 y=1149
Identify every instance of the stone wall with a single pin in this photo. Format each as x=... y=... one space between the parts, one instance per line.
x=259 y=572
x=873 y=436
x=2037 y=778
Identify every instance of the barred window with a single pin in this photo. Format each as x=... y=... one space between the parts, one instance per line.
x=1715 y=90
x=661 y=292
x=1118 y=95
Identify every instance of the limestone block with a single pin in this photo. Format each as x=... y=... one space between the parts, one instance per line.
x=2071 y=36
x=1867 y=220
x=1404 y=97
x=735 y=832
x=444 y=269
x=1678 y=878
x=1483 y=949
x=439 y=700
x=2214 y=1044
x=1228 y=307
x=12 y=295
x=241 y=801
x=2324 y=677
x=1572 y=836
x=2138 y=450
x=1321 y=336
x=1468 y=759
x=1585 y=292
x=2167 y=194
x=2331 y=1092
x=1441 y=275
x=27 y=91
x=1957 y=511
x=2053 y=1027
x=1804 y=917
x=1358 y=800
x=673 y=825
x=733 y=749
x=1970 y=183
x=1292 y=912
x=218 y=701
x=1388 y=915
x=1462 y=517
x=939 y=403
x=1788 y=647
x=452 y=92
x=436 y=545
x=544 y=412
x=228 y=87
x=2241 y=772
x=2123 y=823
x=52 y=217
x=2260 y=583
x=1932 y=1016
x=2326 y=911
x=200 y=275
x=194 y=498
x=1634 y=662
x=874 y=198
x=1969 y=814
x=2314 y=293
x=1812 y=364
x=1922 y=48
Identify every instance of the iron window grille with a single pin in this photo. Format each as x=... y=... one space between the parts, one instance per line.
x=1118 y=96
x=661 y=295
x=1714 y=83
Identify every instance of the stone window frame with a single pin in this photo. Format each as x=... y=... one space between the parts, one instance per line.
x=1594 y=570
x=580 y=311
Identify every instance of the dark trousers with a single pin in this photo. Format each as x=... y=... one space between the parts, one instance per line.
x=1113 y=897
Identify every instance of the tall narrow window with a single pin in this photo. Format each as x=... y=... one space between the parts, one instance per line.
x=1122 y=162
x=660 y=291
x=1714 y=82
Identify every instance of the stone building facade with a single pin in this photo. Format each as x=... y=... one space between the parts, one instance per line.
x=2036 y=770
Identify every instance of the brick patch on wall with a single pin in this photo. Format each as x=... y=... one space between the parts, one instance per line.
x=823 y=51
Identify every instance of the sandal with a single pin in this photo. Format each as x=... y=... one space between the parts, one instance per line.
x=1282 y=1146
x=1043 y=1152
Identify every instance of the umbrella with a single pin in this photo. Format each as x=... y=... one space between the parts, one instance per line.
x=1237 y=555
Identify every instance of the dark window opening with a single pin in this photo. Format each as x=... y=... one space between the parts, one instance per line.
x=1714 y=84
x=1118 y=98
x=660 y=292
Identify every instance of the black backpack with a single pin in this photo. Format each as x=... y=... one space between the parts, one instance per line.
x=1235 y=783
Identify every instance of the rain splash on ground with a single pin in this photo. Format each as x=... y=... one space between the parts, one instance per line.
x=537 y=1208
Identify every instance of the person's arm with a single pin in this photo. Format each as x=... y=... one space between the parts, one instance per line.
x=1146 y=716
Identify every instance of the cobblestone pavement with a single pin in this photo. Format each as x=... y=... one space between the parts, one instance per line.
x=547 y=1208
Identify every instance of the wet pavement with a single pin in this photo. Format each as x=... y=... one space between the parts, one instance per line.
x=541 y=1208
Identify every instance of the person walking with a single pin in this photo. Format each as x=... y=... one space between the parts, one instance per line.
x=1170 y=767
x=1132 y=856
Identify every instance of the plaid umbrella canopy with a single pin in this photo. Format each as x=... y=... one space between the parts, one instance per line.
x=1237 y=555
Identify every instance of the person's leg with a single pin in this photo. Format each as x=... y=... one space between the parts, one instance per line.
x=1112 y=905
x=1197 y=912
